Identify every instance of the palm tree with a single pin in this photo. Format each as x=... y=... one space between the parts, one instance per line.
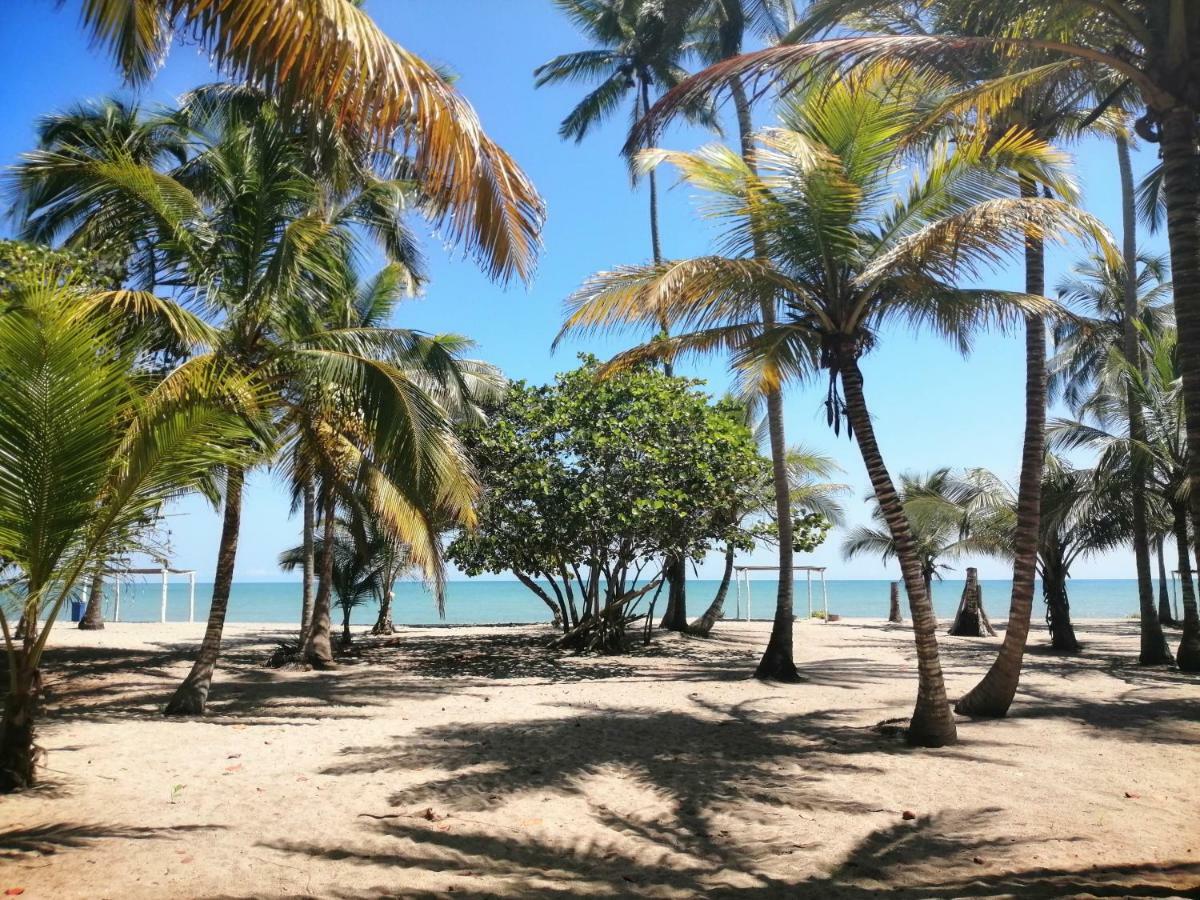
x=1102 y=425
x=949 y=517
x=1084 y=512
x=843 y=254
x=245 y=231
x=314 y=56
x=1118 y=302
x=1143 y=46
x=639 y=46
x=90 y=450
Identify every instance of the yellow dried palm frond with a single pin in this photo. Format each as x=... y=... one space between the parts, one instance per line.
x=329 y=55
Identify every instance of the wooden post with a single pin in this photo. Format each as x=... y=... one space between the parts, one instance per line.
x=747 y=574
x=163 y=612
x=191 y=597
x=824 y=596
x=808 y=572
x=117 y=598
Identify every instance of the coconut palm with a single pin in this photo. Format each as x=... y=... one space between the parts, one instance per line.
x=844 y=253
x=1142 y=46
x=949 y=516
x=314 y=56
x=90 y=450
x=1102 y=425
x=638 y=52
x=246 y=232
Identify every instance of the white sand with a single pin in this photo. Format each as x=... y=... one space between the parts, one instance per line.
x=668 y=774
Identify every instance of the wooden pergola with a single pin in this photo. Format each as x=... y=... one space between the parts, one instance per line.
x=742 y=573
x=164 y=570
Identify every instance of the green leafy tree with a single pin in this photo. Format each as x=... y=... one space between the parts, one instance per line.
x=588 y=481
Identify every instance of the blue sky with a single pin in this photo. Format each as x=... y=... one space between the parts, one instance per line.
x=931 y=407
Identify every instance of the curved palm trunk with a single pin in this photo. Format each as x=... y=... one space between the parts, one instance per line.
x=93 y=616
x=932 y=722
x=703 y=626
x=994 y=694
x=318 y=646
x=191 y=697
x=310 y=526
x=1154 y=650
x=1182 y=187
x=1188 y=655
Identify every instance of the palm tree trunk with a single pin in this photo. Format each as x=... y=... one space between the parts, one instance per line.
x=318 y=646
x=994 y=694
x=346 y=636
x=191 y=697
x=18 y=768
x=1182 y=187
x=894 y=603
x=703 y=626
x=310 y=527
x=93 y=616
x=778 y=662
x=676 y=615
x=1154 y=650
x=383 y=623
x=932 y=722
x=1058 y=613
x=1188 y=655
x=1165 y=615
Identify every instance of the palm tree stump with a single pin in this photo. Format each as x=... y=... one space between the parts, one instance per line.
x=971 y=620
x=894 y=604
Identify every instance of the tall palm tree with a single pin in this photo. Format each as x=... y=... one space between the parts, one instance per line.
x=1102 y=425
x=1150 y=49
x=844 y=253
x=314 y=56
x=638 y=53
x=1117 y=303
x=949 y=516
x=90 y=450
x=254 y=233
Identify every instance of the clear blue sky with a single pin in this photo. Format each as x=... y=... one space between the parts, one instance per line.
x=931 y=407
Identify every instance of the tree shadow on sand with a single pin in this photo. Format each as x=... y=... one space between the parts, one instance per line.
x=48 y=839
x=937 y=856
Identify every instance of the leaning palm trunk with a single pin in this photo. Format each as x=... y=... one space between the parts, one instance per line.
x=703 y=626
x=191 y=697
x=994 y=694
x=1182 y=188
x=93 y=615
x=894 y=603
x=318 y=646
x=932 y=722
x=1154 y=650
x=306 y=601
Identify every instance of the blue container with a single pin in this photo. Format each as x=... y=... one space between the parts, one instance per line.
x=76 y=610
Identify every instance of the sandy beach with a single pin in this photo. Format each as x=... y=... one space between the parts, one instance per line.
x=473 y=762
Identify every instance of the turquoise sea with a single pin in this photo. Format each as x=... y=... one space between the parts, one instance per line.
x=492 y=602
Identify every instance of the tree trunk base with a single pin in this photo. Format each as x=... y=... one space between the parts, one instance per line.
x=320 y=663
x=932 y=728
x=383 y=628
x=1155 y=651
x=972 y=623
x=984 y=701
x=1188 y=655
x=85 y=625
x=18 y=752
x=188 y=700
x=777 y=666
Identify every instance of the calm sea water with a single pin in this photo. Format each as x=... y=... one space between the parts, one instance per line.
x=492 y=602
